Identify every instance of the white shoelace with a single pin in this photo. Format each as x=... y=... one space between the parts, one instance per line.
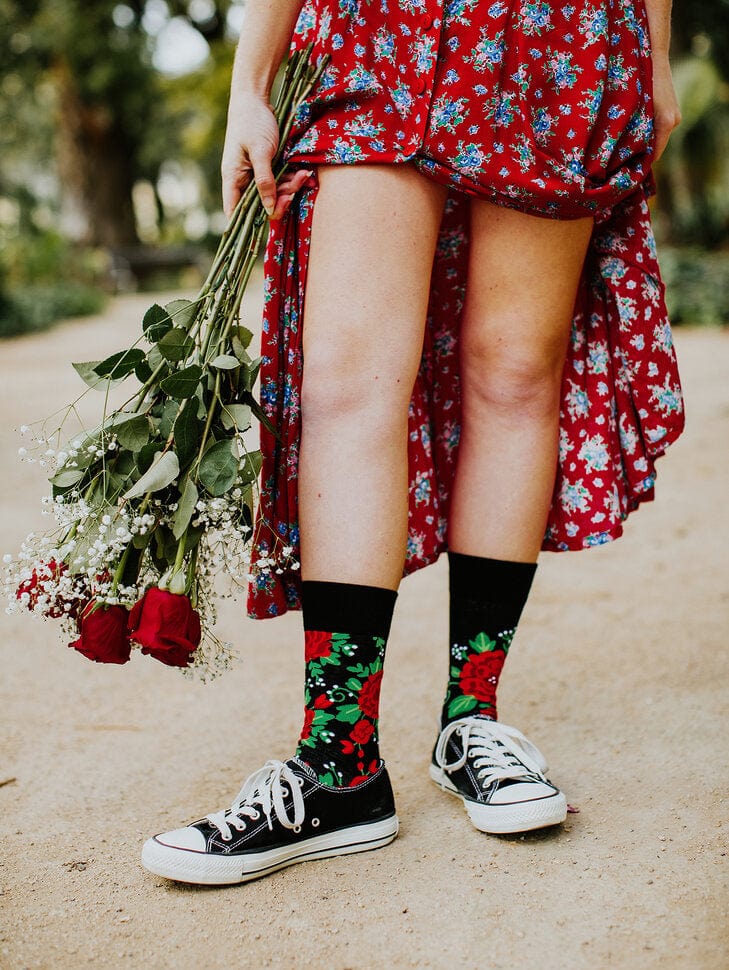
x=498 y=751
x=263 y=792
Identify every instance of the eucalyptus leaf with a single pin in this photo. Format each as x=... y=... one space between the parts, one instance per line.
x=236 y=416
x=185 y=508
x=182 y=383
x=88 y=375
x=119 y=365
x=66 y=477
x=243 y=334
x=176 y=344
x=156 y=322
x=250 y=466
x=239 y=350
x=154 y=357
x=162 y=472
x=143 y=371
x=134 y=434
x=225 y=362
x=218 y=468
x=168 y=417
x=145 y=456
x=182 y=312
x=187 y=433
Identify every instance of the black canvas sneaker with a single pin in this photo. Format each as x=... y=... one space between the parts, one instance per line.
x=282 y=815
x=498 y=774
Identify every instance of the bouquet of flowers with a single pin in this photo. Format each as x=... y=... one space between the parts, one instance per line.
x=157 y=499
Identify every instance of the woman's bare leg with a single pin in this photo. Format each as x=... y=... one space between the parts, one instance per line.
x=522 y=281
x=373 y=240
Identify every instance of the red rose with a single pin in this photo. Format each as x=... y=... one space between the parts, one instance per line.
x=317 y=643
x=104 y=634
x=362 y=732
x=480 y=675
x=308 y=721
x=44 y=575
x=369 y=696
x=166 y=627
x=322 y=702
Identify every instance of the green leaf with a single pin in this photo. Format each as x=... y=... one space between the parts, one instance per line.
x=482 y=644
x=187 y=433
x=185 y=509
x=239 y=350
x=236 y=416
x=119 y=365
x=145 y=456
x=218 y=468
x=162 y=472
x=143 y=371
x=168 y=417
x=225 y=362
x=243 y=335
x=176 y=344
x=183 y=312
x=248 y=398
x=461 y=705
x=354 y=684
x=86 y=371
x=66 y=477
x=350 y=713
x=250 y=466
x=155 y=323
x=182 y=383
x=134 y=434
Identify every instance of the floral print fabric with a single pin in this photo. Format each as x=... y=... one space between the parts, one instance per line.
x=341 y=706
x=474 y=675
x=538 y=106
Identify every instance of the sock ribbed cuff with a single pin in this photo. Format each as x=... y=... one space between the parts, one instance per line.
x=347 y=608
x=475 y=577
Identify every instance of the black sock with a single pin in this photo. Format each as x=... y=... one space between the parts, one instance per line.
x=345 y=631
x=487 y=597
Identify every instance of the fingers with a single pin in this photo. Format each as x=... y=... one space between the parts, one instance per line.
x=289 y=185
x=265 y=182
x=231 y=194
x=664 y=126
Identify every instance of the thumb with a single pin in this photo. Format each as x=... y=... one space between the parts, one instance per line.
x=265 y=182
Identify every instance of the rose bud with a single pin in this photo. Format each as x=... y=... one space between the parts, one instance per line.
x=103 y=634
x=166 y=627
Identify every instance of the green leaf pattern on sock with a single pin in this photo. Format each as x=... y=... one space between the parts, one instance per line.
x=341 y=706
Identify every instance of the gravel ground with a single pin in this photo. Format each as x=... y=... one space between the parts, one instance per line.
x=618 y=672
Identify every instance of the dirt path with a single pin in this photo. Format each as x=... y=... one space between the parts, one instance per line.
x=619 y=673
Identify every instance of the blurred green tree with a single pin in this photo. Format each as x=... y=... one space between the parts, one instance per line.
x=693 y=175
x=110 y=122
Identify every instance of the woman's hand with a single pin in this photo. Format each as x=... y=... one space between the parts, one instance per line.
x=251 y=141
x=667 y=113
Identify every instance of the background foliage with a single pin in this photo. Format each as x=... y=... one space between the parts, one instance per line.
x=112 y=118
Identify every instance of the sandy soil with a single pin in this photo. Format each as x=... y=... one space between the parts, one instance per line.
x=619 y=673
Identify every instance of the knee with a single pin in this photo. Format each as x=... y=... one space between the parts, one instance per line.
x=524 y=382
x=336 y=389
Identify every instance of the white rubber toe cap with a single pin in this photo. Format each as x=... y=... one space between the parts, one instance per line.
x=524 y=791
x=187 y=838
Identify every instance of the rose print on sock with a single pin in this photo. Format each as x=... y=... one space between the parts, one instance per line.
x=475 y=674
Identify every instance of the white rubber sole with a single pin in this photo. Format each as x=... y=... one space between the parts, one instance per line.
x=201 y=868
x=505 y=819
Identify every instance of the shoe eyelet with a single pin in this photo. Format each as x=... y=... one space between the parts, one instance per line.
x=297 y=829
x=301 y=782
x=315 y=823
x=227 y=838
x=285 y=792
x=257 y=815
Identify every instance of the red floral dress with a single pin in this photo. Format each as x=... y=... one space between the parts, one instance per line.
x=542 y=107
